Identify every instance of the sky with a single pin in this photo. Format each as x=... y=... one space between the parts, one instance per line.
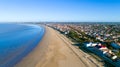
x=60 y=10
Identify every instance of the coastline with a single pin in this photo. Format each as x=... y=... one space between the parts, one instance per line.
x=16 y=41
x=52 y=51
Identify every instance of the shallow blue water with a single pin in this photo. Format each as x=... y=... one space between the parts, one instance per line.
x=16 y=41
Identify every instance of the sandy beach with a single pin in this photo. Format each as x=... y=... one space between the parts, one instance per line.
x=53 y=51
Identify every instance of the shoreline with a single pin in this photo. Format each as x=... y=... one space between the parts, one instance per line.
x=53 y=51
x=17 y=41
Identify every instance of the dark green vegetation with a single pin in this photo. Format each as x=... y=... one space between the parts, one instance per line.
x=81 y=37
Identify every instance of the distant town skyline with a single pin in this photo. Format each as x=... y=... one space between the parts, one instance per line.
x=59 y=10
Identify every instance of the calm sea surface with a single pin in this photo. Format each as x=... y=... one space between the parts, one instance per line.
x=16 y=41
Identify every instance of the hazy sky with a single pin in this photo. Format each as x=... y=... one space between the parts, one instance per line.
x=59 y=10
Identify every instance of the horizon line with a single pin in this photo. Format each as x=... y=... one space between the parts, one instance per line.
x=60 y=22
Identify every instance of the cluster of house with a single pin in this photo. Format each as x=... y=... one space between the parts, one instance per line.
x=99 y=31
x=61 y=27
x=103 y=50
x=102 y=32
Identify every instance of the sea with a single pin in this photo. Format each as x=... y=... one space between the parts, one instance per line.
x=16 y=41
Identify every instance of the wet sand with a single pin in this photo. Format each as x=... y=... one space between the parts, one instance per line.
x=53 y=51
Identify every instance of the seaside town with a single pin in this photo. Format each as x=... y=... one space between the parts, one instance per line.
x=60 y=33
x=102 y=40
